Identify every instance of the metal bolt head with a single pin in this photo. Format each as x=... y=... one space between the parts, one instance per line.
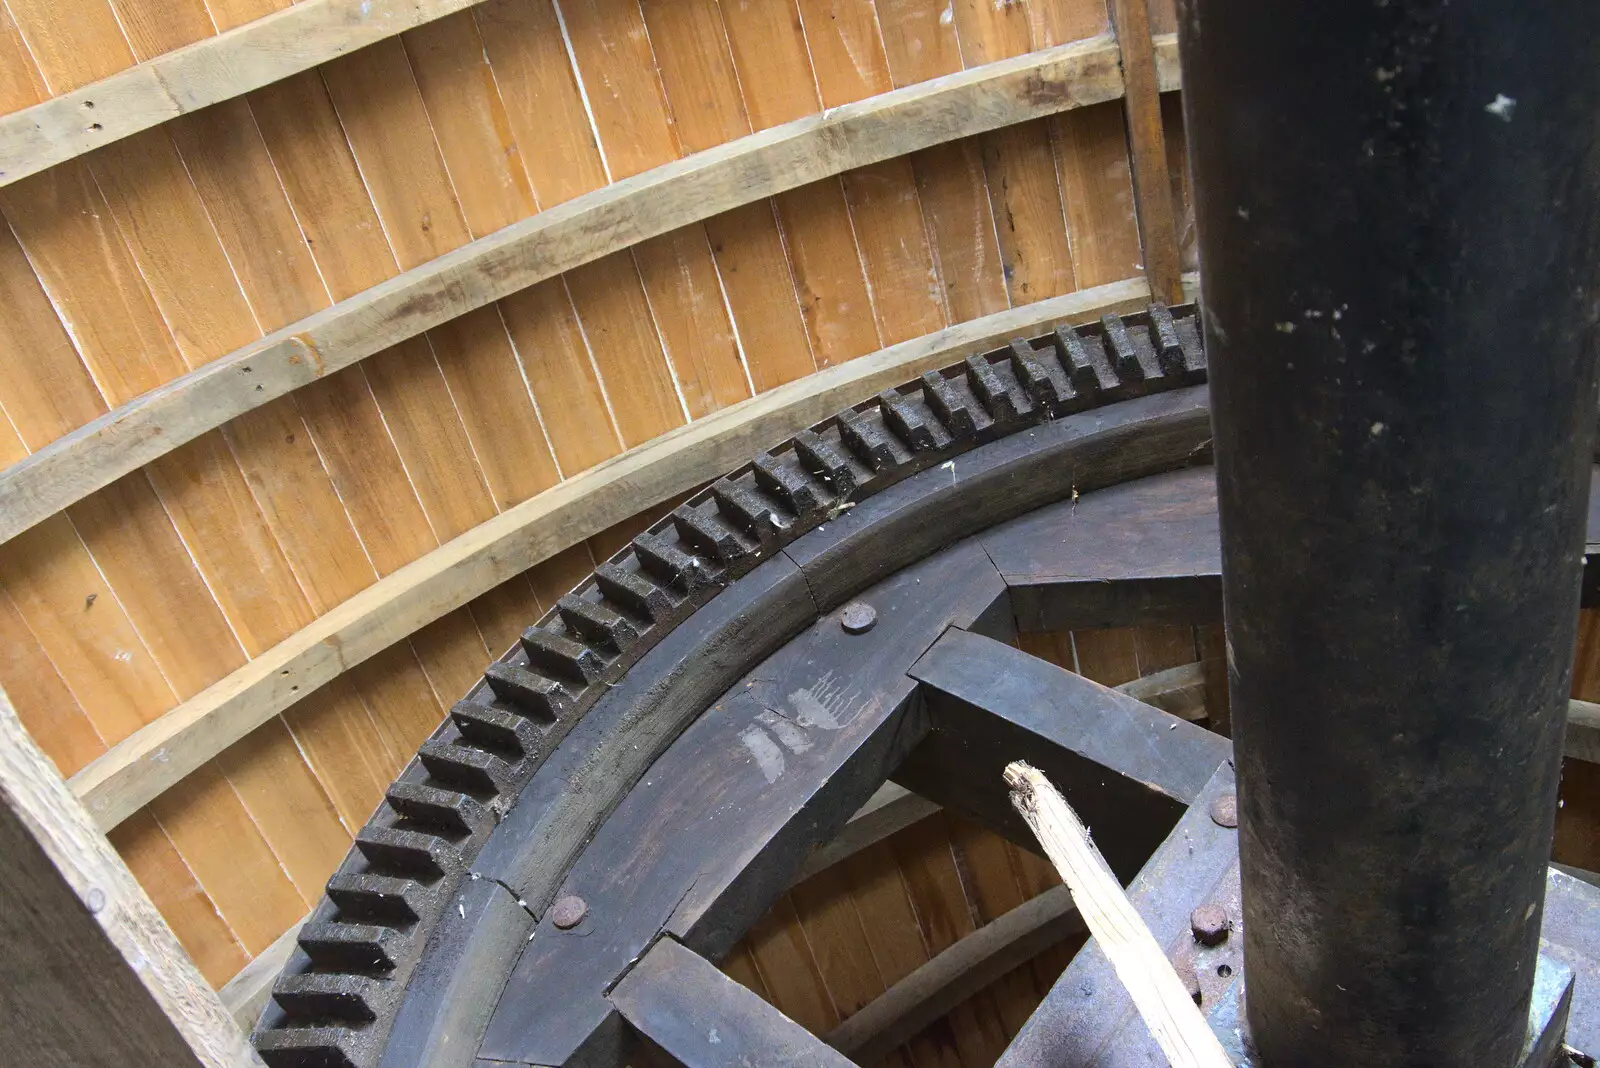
x=568 y=912
x=858 y=617
x=1210 y=924
x=1225 y=811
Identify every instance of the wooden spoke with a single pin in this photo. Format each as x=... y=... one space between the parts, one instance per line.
x=691 y=1014
x=1127 y=767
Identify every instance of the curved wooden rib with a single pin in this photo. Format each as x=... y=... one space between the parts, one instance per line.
x=139 y=768
x=211 y=70
x=569 y=235
x=955 y=974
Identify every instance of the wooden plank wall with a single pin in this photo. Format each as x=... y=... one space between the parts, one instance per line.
x=126 y=267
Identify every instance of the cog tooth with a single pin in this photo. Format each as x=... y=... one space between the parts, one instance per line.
x=543 y=698
x=512 y=736
x=948 y=404
x=327 y=996
x=363 y=897
x=668 y=563
x=820 y=457
x=632 y=590
x=1085 y=361
x=351 y=947
x=867 y=439
x=559 y=655
x=905 y=422
x=413 y=854
x=471 y=769
x=447 y=813
x=708 y=535
x=597 y=623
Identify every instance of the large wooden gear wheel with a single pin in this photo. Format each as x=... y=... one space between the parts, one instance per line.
x=662 y=752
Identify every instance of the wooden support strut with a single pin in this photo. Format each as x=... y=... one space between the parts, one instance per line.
x=579 y=231
x=91 y=975
x=1142 y=68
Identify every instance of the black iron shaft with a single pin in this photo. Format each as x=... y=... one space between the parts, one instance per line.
x=1396 y=206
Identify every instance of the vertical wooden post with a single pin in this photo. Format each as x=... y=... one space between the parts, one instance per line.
x=90 y=975
x=1147 y=145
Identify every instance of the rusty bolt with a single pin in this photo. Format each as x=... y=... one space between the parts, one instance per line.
x=1210 y=924
x=858 y=617
x=1225 y=811
x=568 y=912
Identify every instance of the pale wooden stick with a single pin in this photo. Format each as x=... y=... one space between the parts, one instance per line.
x=1157 y=992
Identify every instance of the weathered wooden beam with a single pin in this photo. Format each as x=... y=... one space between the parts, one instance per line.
x=568 y=235
x=690 y=1013
x=90 y=975
x=1129 y=768
x=141 y=766
x=1179 y=691
x=1152 y=183
x=955 y=974
x=210 y=70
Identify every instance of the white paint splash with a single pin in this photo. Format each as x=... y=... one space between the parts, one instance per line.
x=769 y=758
x=793 y=738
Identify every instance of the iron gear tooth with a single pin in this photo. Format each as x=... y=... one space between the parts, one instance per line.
x=822 y=459
x=1084 y=359
x=747 y=510
x=1124 y=350
x=708 y=534
x=473 y=770
x=414 y=854
x=507 y=734
x=906 y=423
x=596 y=623
x=1034 y=375
x=863 y=437
x=1008 y=407
x=560 y=655
x=789 y=483
x=948 y=405
x=527 y=691
x=366 y=897
x=1169 y=347
x=327 y=997
x=633 y=591
x=447 y=813
x=360 y=948
x=312 y=1047
x=670 y=564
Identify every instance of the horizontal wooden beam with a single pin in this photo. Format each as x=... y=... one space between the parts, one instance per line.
x=140 y=767
x=568 y=235
x=682 y=1006
x=955 y=974
x=90 y=974
x=210 y=70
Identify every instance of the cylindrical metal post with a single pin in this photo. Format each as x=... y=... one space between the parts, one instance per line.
x=1397 y=209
